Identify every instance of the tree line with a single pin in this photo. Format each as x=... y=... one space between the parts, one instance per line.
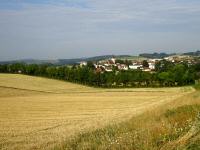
x=165 y=74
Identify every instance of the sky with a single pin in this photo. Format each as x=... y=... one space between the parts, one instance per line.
x=52 y=29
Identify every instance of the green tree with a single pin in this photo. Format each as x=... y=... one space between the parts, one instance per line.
x=178 y=72
x=145 y=64
x=31 y=69
x=3 y=68
x=163 y=66
x=90 y=65
x=164 y=78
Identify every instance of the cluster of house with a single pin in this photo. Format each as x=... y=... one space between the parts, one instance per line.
x=111 y=64
x=181 y=58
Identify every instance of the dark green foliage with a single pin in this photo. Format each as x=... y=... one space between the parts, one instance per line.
x=119 y=61
x=163 y=65
x=167 y=74
x=145 y=64
x=90 y=65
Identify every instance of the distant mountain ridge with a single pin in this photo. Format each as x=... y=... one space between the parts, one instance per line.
x=62 y=61
x=156 y=55
x=197 y=53
x=95 y=58
x=163 y=55
x=30 y=61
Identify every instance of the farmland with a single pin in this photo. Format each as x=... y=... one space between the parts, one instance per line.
x=40 y=113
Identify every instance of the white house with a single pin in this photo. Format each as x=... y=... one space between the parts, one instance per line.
x=108 y=69
x=113 y=60
x=122 y=67
x=83 y=63
x=152 y=66
x=135 y=66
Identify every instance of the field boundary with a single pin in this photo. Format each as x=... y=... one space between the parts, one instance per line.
x=7 y=87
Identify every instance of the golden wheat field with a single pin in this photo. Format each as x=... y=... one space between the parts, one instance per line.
x=40 y=113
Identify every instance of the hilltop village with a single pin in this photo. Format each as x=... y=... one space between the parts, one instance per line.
x=144 y=64
x=120 y=71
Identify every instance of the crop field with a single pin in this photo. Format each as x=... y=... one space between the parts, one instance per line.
x=40 y=113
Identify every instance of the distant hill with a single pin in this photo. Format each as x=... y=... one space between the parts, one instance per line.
x=162 y=55
x=96 y=58
x=155 y=55
x=77 y=60
x=62 y=61
x=30 y=61
x=197 y=53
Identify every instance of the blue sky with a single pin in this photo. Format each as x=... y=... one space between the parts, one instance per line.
x=50 y=29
